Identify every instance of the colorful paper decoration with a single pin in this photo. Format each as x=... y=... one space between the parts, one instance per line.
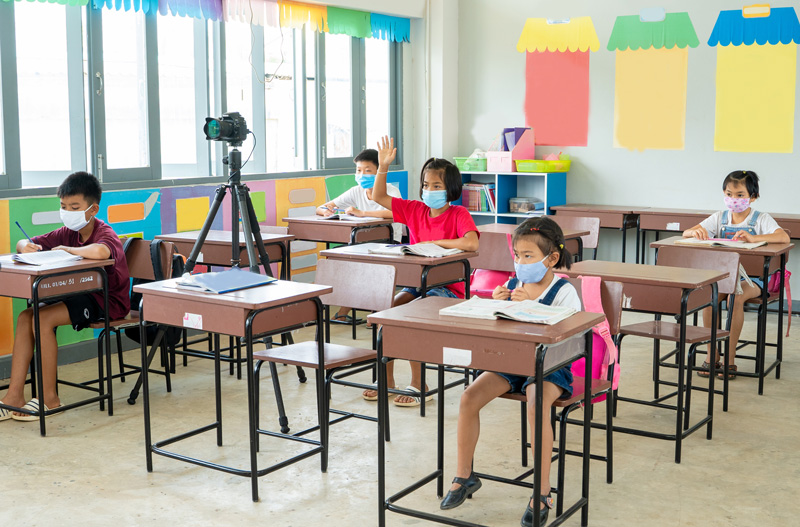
x=557 y=79
x=296 y=15
x=258 y=12
x=145 y=6
x=391 y=28
x=349 y=22
x=756 y=79
x=200 y=9
x=651 y=71
x=62 y=2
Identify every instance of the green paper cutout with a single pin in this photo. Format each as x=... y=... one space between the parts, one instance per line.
x=338 y=185
x=349 y=22
x=675 y=30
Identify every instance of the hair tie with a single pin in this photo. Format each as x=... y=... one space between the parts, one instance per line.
x=561 y=246
x=533 y=229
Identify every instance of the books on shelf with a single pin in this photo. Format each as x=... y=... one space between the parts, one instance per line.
x=223 y=281
x=720 y=242
x=478 y=197
x=430 y=250
x=524 y=311
x=46 y=257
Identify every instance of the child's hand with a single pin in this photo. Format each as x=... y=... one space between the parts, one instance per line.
x=700 y=233
x=31 y=248
x=63 y=248
x=501 y=292
x=386 y=152
x=519 y=294
x=744 y=236
x=352 y=211
x=327 y=210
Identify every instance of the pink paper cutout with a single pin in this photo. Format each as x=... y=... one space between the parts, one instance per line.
x=557 y=97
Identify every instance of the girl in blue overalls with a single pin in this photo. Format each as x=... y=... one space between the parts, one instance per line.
x=538 y=249
x=738 y=222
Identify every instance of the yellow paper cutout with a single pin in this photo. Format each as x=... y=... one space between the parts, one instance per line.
x=296 y=14
x=755 y=98
x=538 y=35
x=756 y=11
x=650 y=99
x=6 y=313
x=190 y=213
x=283 y=187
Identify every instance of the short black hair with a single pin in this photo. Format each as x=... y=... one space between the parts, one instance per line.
x=451 y=176
x=370 y=154
x=81 y=184
x=748 y=178
x=547 y=235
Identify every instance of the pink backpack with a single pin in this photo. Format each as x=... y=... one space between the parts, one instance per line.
x=604 y=351
x=774 y=286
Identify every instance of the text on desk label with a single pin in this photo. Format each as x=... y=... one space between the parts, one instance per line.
x=456 y=356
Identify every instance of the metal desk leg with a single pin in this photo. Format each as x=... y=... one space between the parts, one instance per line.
x=382 y=416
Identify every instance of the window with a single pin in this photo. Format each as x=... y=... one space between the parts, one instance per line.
x=377 y=74
x=337 y=93
x=310 y=100
x=280 y=101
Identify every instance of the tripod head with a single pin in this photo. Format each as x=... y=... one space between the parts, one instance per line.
x=234 y=162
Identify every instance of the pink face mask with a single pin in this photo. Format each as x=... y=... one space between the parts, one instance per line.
x=737 y=204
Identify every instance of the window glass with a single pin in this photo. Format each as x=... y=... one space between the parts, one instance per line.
x=280 y=103
x=338 y=96
x=376 y=73
x=311 y=100
x=42 y=88
x=239 y=71
x=176 y=84
x=125 y=89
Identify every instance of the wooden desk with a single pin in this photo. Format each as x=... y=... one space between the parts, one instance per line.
x=497 y=259
x=216 y=249
x=251 y=313
x=55 y=282
x=504 y=346
x=761 y=262
x=611 y=217
x=317 y=229
x=648 y=288
x=667 y=220
x=788 y=222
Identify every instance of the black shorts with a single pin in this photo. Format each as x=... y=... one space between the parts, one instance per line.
x=83 y=310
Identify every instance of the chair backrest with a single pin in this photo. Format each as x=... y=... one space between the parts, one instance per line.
x=140 y=265
x=493 y=253
x=694 y=258
x=358 y=285
x=611 y=298
x=578 y=223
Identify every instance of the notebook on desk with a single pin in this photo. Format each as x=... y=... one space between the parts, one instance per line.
x=720 y=242
x=56 y=256
x=223 y=281
x=430 y=250
x=525 y=311
x=348 y=217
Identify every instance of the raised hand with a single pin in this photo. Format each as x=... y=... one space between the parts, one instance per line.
x=386 y=153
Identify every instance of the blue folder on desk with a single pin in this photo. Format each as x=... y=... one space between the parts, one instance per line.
x=224 y=281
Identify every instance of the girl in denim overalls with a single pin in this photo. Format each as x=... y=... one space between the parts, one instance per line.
x=738 y=222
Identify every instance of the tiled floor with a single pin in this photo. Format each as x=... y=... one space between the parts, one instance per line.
x=90 y=469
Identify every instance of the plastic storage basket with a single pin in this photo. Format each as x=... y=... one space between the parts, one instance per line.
x=470 y=164
x=540 y=165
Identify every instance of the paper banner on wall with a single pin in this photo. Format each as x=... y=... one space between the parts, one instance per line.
x=132 y=212
x=756 y=79
x=557 y=78
x=6 y=320
x=651 y=72
x=185 y=209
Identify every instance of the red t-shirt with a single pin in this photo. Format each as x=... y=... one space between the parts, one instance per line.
x=119 y=301
x=455 y=223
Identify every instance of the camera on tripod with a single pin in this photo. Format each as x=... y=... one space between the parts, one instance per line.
x=231 y=128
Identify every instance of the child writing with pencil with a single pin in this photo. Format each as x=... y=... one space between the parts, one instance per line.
x=738 y=222
x=432 y=220
x=82 y=235
x=538 y=249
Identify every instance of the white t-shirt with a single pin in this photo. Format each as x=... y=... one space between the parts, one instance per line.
x=566 y=296
x=357 y=197
x=764 y=224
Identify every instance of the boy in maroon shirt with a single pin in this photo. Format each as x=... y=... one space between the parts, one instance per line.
x=86 y=236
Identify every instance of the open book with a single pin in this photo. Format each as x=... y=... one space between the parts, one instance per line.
x=223 y=281
x=720 y=242
x=525 y=311
x=348 y=217
x=46 y=257
x=430 y=250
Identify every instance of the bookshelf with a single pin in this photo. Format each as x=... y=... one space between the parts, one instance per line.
x=550 y=187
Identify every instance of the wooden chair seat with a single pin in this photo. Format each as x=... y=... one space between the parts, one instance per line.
x=598 y=386
x=305 y=354
x=131 y=319
x=663 y=330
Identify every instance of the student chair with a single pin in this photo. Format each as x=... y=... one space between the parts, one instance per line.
x=687 y=257
x=611 y=297
x=372 y=291
x=140 y=265
x=577 y=223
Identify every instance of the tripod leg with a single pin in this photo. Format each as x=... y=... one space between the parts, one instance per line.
x=241 y=197
x=201 y=238
x=259 y=242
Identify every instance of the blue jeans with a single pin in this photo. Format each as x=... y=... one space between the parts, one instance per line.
x=435 y=291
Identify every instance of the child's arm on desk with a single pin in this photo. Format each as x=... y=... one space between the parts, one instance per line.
x=779 y=236
x=698 y=231
x=95 y=251
x=386 y=214
x=467 y=243
x=326 y=209
x=386 y=154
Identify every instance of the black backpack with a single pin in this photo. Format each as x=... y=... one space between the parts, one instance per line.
x=173 y=335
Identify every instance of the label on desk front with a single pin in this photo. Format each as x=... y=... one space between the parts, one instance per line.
x=674 y=226
x=456 y=356
x=191 y=320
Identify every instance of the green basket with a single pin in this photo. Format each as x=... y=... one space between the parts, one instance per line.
x=470 y=164
x=540 y=165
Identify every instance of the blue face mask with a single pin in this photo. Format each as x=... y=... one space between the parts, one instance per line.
x=365 y=180
x=435 y=199
x=531 y=273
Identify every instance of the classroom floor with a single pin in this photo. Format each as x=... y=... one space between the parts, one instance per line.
x=90 y=469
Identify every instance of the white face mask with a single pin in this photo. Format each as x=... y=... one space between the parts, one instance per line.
x=74 y=220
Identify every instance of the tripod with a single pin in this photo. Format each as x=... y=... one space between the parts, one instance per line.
x=241 y=206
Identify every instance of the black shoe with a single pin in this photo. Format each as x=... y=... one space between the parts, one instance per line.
x=527 y=518
x=456 y=497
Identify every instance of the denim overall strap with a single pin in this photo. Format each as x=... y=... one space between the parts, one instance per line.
x=729 y=232
x=551 y=295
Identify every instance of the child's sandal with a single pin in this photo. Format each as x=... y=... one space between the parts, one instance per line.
x=732 y=369
x=705 y=369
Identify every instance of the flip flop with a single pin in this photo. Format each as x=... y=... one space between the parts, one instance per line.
x=374 y=386
x=33 y=406
x=416 y=399
x=4 y=414
x=705 y=369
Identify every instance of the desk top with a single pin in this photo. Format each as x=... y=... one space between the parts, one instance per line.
x=361 y=253
x=318 y=220
x=507 y=228
x=7 y=265
x=424 y=314
x=221 y=237
x=587 y=207
x=276 y=293
x=653 y=275
x=771 y=249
